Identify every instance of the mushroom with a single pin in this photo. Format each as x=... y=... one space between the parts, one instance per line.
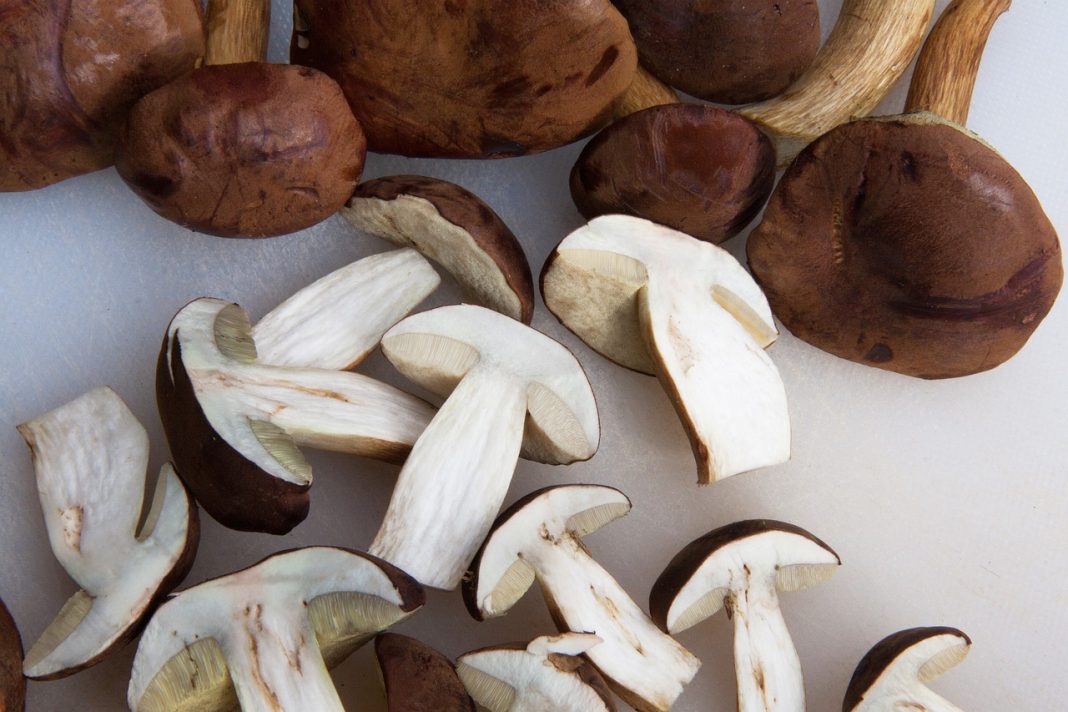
x=234 y=424
x=502 y=380
x=662 y=302
x=540 y=537
x=90 y=456
x=478 y=79
x=907 y=243
x=418 y=678
x=12 y=682
x=243 y=149
x=645 y=91
x=698 y=169
x=740 y=568
x=71 y=71
x=547 y=674
x=453 y=227
x=264 y=637
x=894 y=674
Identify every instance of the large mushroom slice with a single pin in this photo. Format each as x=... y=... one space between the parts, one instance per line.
x=741 y=567
x=504 y=381
x=90 y=456
x=659 y=301
x=894 y=674
x=540 y=538
x=234 y=425
x=547 y=674
x=265 y=637
x=12 y=681
x=418 y=678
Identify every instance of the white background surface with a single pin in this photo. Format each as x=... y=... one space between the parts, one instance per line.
x=947 y=500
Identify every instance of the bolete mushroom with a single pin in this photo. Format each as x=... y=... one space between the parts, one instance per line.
x=418 y=678
x=503 y=381
x=907 y=243
x=476 y=79
x=234 y=424
x=12 y=681
x=658 y=301
x=540 y=538
x=264 y=637
x=453 y=227
x=90 y=456
x=894 y=674
x=740 y=568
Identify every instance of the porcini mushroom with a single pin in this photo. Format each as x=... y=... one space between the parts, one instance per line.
x=264 y=638
x=453 y=227
x=90 y=456
x=740 y=568
x=658 y=301
x=12 y=681
x=234 y=425
x=507 y=386
x=418 y=678
x=907 y=243
x=540 y=538
x=547 y=674
x=894 y=674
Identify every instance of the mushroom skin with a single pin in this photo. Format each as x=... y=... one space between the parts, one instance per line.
x=418 y=678
x=12 y=682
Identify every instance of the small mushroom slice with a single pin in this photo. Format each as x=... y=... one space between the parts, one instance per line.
x=90 y=456
x=741 y=567
x=265 y=637
x=894 y=674
x=503 y=380
x=548 y=675
x=659 y=301
x=234 y=425
x=12 y=681
x=453 y=227
x=540 y=538
x=418 y=678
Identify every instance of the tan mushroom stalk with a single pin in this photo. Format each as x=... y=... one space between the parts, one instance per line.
x=418 y=678
x=264 y=638
x=90 y=456
x=12 y=681
x=507 y=386
x=645 y=91
x=740 y=568
x=664 y=303
x=540 y=538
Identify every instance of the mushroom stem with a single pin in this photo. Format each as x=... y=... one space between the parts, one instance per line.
x=924 y=698
x=766 y=664
x=949 y=63
x=237 y=31
x=645 y=91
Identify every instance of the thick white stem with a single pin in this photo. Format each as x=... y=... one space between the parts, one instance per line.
x=765 y=660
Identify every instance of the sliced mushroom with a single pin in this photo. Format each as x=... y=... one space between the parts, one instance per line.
x=90 y=456
x=264 y=637
x=12 y=682
x=503 y=380
x=894 y=674
x=234 y=425
x=547 y=674
x=662 y=302
x=453 y=227
x=418 y=678
x=740 y=568
x=540 y=538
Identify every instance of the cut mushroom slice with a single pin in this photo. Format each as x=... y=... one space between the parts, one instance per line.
x=894 y=674
x=90 y=456
x=263 y=638
x=234 y=425
x=659 y=301
x=453 y=227
x=540 y=538
x=12 y=682
x=418 y=678
x=547 y=674
x=741 y=567
x=502 y=379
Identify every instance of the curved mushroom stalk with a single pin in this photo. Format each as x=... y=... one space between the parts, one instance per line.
x=418 y=678
x=12 y=681
x=645 y=91
x=453 y=483
x=265 y=636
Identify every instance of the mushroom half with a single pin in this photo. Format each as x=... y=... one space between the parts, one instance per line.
x=418 y=678
x=12 y=681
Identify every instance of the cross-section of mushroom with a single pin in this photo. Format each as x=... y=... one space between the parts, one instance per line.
x=894 y=674
x=90 y=456
x=264 y=637
x=418 y=678
x=659 y=301
x=504 y=381
x=740 y=568
x=12 y=682
x=540 y=538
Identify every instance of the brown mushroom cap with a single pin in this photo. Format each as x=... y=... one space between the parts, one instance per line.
x=418 y=678
x=12 y=683
x=698 y=169
x=248 y=150
x=472 y=79
x=723 y=50
x=910 y=245
x=71 y=72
